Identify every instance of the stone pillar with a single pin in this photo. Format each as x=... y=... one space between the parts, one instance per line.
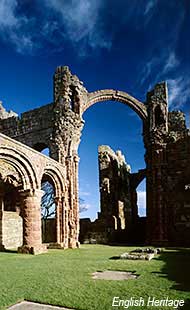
x=76 y=199
x=66 y=227
x=155 y=139
x=60 y=222
x=31 y=213
x=71 y=224
x=69 y=97
x=73 y=201
x=58 y=219
x=2 y=248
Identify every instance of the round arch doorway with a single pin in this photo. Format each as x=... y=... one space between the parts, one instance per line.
x=118 y=126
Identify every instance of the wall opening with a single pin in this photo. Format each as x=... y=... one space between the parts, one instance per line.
x=118 y=126
x=42 y=148
x=158 y=116
x=48 y=211
x=141 y=198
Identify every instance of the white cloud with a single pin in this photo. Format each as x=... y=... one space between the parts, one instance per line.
x=178 y=91
x=12 y=26
x=76 y=21
x=141 y=202
x=7 y=13
x=79 y=19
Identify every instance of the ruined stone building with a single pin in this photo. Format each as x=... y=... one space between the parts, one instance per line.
x=58 y=126
x=118 y=218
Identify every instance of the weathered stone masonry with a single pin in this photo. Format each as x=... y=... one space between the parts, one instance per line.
x=118 y=219
x=21 y=172
x=58 y=126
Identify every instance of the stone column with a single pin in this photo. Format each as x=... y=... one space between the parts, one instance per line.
x=76 y=199
x=58 y=219
x=66 y=227
x=73 y=201
x=156 y=232
x=2 y=248
x=69 y=199
x=31 y=213
x=60 y=222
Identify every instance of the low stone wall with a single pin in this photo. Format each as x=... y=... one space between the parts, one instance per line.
x=12 y=227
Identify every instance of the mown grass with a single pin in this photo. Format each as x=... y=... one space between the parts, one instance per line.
x=64 y=277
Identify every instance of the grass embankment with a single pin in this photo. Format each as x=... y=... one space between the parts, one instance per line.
x=64 y=277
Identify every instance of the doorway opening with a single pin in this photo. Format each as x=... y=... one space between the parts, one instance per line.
x=120 y=129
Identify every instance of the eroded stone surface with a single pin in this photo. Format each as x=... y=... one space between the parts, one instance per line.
x=167 y=152
x=137 y=256
x=141 y=254
x=118 y=217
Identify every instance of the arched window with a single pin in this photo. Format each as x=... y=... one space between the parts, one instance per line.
x=48 y=211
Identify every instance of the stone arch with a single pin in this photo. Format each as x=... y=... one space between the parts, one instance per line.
x=57 y=178
x=116 y=95
x=21 y=165
x=19 y=181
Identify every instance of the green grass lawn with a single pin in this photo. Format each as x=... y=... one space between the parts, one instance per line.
x=63 y=277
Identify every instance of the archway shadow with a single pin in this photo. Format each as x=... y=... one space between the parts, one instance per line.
x=177 y=269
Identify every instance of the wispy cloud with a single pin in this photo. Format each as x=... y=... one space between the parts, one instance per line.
x=171 y=62
x=157 y=67
x=76 y=21
x=147 y=69
x=7 y=13
x=161 y=60
x=80 y=21
x=13 y=26
x=179 y=92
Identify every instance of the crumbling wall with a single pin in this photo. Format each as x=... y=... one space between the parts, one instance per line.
x=166 y=140
x=177 y=187
x=114 y=180
x=118 y=217
x=33 y=128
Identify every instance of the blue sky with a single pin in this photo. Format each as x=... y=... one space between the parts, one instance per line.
x=126 y=45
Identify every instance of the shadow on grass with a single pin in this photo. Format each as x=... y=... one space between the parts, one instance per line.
x=177 y=269
x=115 y=257
x=9 y=251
